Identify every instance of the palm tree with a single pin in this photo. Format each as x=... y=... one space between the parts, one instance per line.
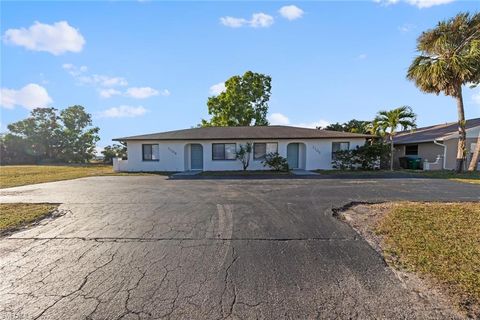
x=449 y=58
x=476 y=155
x=373 y=128
x=389 y=121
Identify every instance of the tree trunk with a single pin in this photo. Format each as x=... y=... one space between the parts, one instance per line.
x=476 y=155
x=461 y=132
x=391 y=152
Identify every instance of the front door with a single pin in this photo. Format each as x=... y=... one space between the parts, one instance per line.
x=292 y=155
x=196 y=156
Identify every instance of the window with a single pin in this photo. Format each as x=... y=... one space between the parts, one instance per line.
x=411 y=150
x=339 y=146
x=224 y=151
x=260 y=150
x=150 y=152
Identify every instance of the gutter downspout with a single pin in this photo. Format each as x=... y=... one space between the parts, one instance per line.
x=444 y=152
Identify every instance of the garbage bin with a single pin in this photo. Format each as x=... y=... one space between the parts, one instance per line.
x=414 y=163
x=403 y=162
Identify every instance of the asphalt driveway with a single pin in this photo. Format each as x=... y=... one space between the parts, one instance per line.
x=148 y=247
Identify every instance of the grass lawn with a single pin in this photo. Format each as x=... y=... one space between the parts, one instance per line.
x=357 y=172
x=15 y=215
x=13 y=176
x=468 y=177
x=438 y=240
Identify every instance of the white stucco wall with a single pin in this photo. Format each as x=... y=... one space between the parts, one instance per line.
x=175 y=155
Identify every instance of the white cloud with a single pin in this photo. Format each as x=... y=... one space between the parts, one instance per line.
x=218 y=88
x=233 y=22
x=407 y=27
x=362 y=56
x=418 y=3
x=107 y=93
x=283 y=120
x=68 y=66
x=56 y=39
x=73 y=70
x=261 y=20
x=123 y=112
x=291 y=12
x=106 y=85
x=312 y=125
x=80 y=74
x=428 y=3
x=278 y=119
x=165 y=92
x=258 y=20
x=103 y=80
x=386 y=2
x=30 y=96
x=141 y=93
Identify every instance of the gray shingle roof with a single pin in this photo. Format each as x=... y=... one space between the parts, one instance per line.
x=254 y=132
x=428 y=134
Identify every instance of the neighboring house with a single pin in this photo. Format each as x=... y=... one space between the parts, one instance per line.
x=436 y=144
x=214 y=148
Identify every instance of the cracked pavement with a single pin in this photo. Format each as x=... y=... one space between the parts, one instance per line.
x=146 y=247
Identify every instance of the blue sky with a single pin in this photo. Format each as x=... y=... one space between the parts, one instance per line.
x=149 y=66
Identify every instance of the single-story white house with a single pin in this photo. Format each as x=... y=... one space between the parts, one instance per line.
x=214 y=148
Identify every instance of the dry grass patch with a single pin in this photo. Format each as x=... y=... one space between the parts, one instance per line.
x=13 y=176
x=17 y=215
x=440 y=241
x=468 y=177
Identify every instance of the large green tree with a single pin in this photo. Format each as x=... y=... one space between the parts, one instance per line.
x=449 y=58
x=243 y=103
x=40 y=131
x=78 y=137
x=15 y=150
x=47 y=135
x=390 y=121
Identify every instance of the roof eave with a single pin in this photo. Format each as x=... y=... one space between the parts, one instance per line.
x=239 y=138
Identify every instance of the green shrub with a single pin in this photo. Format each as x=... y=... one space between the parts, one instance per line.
x=367 y=157
x=275 y=161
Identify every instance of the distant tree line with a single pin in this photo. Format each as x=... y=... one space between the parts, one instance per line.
x=114 y=151
x=50 y=136
x=354 y=126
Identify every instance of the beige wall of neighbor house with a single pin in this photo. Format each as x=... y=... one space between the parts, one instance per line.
x=430 y=151
x=451 y=157
x=427 y=151
x=452 y=141
x=175 y=155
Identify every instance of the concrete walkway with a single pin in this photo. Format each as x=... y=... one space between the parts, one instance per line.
x=187 y=173
x=302 y=172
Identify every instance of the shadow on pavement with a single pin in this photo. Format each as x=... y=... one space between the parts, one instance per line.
x=353 y=176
